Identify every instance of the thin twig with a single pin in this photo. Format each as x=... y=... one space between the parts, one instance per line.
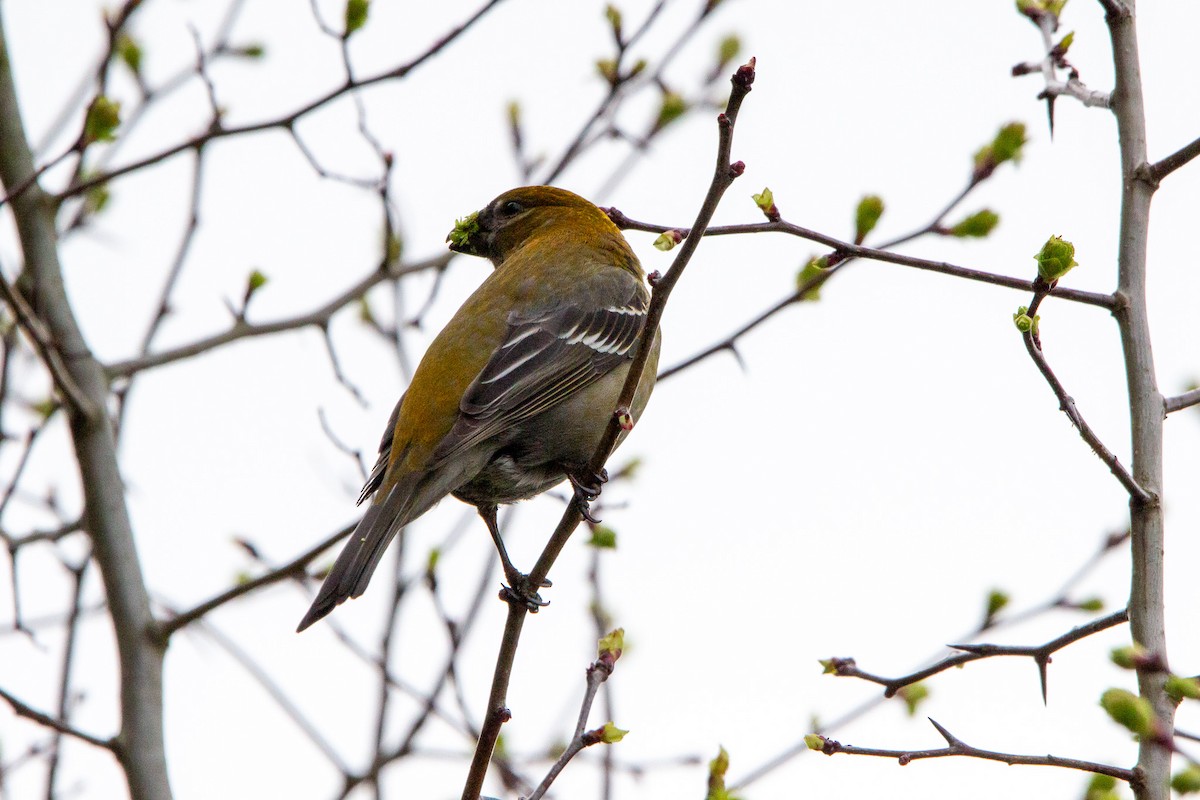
x=289 y=570
x=848 y=250
x=597 y=673
x=1161 y=169
x=723 y=176
x=847 y=668
x=286 y=120
x=46 y=350
x=1067 y=404
x=29 y=712
x=957 y=747
x=1185 y=400
x=245 y=330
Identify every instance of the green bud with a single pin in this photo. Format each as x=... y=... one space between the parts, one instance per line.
x=1102 y=787
x=613 y=644
x=254 y=50
x=464 y=229
x=866 y=216
x=1187 y=781
x=603 y=537
x=716 y=776
x=1064 y=44
x=765 y=200
x=365 y=314
x=996 y=601
x=356 y=15
x=638 y=67
x=1024 y=322
x=1008 y=142
x=1129 y=710
x=728 y=50
x=815 y=741
x=607 y=68
x=1128 y=657
x=103 y=117
x=613 y=15
x=395 y=247
x=1006 y=146
x=1092 y=604
x=431 y=562
x=611 y=734
x=629 y=470
x=667 y=240
x=44 y=408
x=97 y=198
x=912 y=695
x=130 y=52
x=815 y=266
x=673 y=107
x=978 y=225
x=1055 y=259
x=256 y=281
x=1178 y=687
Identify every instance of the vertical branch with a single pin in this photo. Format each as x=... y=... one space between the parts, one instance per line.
x=1146 y=601
x=140 y=742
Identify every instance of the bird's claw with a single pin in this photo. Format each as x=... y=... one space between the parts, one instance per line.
x=585 y=493
x=523 y=592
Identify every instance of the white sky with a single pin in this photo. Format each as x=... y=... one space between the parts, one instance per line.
x=887 y=456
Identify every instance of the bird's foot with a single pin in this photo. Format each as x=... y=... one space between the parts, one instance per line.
x=522 y=591
x=586 y=492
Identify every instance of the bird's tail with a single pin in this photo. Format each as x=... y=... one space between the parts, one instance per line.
x=350 y=574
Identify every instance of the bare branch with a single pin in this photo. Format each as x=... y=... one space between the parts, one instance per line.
x=957 y=747
x=846 y=250
x=1067 y=404
x=1162 y=169
x=847 y=668
x=46 y=350
x=723 y=176
x=292 y=569
x=285 y=121
x=241 y=329
x=1185 y=400
x=29 y=712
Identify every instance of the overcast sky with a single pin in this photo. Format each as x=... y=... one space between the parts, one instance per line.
x=878 y=462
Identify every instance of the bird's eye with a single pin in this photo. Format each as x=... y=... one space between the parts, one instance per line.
x=512 y=207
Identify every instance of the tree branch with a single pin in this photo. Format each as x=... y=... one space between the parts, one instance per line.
x=29 y=712
x=847 y=668
x=141 y=751
x=845 y=250
x=318 y=317
x=724 y=175
x=1185 y=400
x=291 y=569
x=957 y=747
x=1066 y=403
x=1162 y=169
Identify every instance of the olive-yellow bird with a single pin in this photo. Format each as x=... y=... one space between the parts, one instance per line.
x=515 y=392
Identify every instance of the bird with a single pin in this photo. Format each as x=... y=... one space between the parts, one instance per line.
x=515 y=392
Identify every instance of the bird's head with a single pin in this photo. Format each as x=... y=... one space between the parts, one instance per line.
x=519 y=214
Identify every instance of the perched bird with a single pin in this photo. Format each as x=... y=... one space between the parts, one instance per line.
x=514 y=394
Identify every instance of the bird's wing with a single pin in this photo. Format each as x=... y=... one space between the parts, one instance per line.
x=546 y=357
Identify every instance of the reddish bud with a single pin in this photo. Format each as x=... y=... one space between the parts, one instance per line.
x=737 y=168
x=744 y=76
